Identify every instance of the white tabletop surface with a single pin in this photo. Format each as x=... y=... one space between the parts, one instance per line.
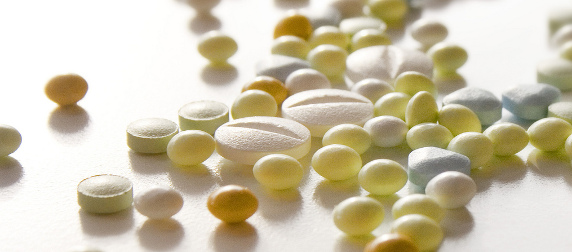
x=140 y=60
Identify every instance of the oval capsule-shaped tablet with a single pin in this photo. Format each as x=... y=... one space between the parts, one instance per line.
x=322 y=109
x=246 y=140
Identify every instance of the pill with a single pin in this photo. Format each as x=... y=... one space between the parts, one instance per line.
x=508 y=138
x=391 y=12
x=10 y=140
x=217 y=47
x=329 y=60
x=484 y=103
x=565 y=51
x=421 y=108
x=447 y=58
x=530 y=101
x=369 y=37
x=459 y=119
x=329 y=35
x=392 y=104
x=474 y=145
x=556 y=72
x=391 y=243
x=418 y=204
x=386 y=63
x=412 y=82
x=428 y=134
x=321 y=109
x=351 y=135
x=248 y=139
x=205 y=115
x=428 y=32
x=278 y=171
x=190 y=147
x=358 y=215
x=158 y=202
x=294 y=24
x=386 y=131
x=336 y=162
x=289 y=45
x=568 y=146
x=232 y=203
x=559 y=17
x=562 y=110
x=373 y=89
x=66 y=89
x=382 y=177
x=348 y=8
x=202 y=6
x=105 y=194
x=427 y=162
x=352 y=25
x=562 y=35
x=451 y=189
x=150 y=135
x=322 y=16
x=279 y=66
x=306 y=79
x=270 y=85
x=253 y=103
x=549 y=134
x=424 y=231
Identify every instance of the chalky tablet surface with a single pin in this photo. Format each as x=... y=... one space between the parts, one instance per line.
x=530 y=101
x=248 y=139
x=104 y=194
x=158 y=202
x=280 y=66
x=427 y=162
x=556 y=72
x=151 y=135
x=322 y=109
x=203 y=115
x=10 y=140
x=562 y=110
x=483 y=102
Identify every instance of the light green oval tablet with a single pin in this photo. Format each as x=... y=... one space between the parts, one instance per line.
x=358 y=215
x=329 y=60
x=217 y=47
x=105 y=194
x=424 y=231
x=392 y=104
x=369 y=37
x=418 y=204
x=476 y=146
x=565 y=50
x=150 y=135
x=278 y=171
x=508 y=138
x=549 y=134
x=190 y=147
x=329 y=35
x=336 y=162
x=203 y=115
x=421 y=108
x=428 y=134
x=253 y=102
x=556 y=72
x=412 y=82
x=459 y=119
x=447 y=58
x=391 y=12
x=292 y=46
x=10 y=140
x=382 y=177
x=351 y=135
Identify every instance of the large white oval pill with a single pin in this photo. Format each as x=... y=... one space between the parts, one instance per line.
x=248 y=139
x=322 y=109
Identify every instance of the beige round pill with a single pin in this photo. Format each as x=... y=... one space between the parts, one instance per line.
x=66 y=89
x=104 y=194
x=150 y=135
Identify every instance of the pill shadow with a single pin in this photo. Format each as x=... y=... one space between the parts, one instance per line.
x=279 y=205
x=194 y=179
x=504 y=169
x=68 y=119
x=160 y=235
x=328 y=193
x=435 y=4
x=11 y=171
x=219 y=74
x=554 y=164
x=291 y=4
x=457 y=223
x=346 y=243
x=106 y=224
x=450 y=83
x=148 y=163
x=204 y=22
x=234 y=237
x=235 y=173
x=510 y=117
x=398 y=154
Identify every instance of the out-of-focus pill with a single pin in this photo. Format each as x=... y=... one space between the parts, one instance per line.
x=351 y=26
x=289 y=45
x=530 y=101
x=279 y=66
x=421 y=108
x=369 y=37
x=10 y=140
x=270 y=85
x=329 y=60
x=391 y=12
x=373 y=89
x=294 y=24
x=556 y=72
x=428 y=32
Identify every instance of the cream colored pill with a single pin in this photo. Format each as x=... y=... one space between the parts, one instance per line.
x=549 y=134
x=556 y=72
x=428 y=32
x=351 y=26
x=428 y=134
x=150 y=135
x=203 y=115
x=358 y=215
x=459 y=119
x=424 y=231
x=306 y=79
x=190 y=147
x=246 y=140
x=447 y=57
x=392 y=104
x=412 y=82
x=391 y=12
x=348 y=8
x=336 y=162
x=369 y=37
x=421 y=108
x=329 y=35
x=351 y=135
x=386 y=131
x=329 y=60
x=292 y=46
x=508 y=138
x=562 y=110
x=253 y=103
x=476 y=146
x=451 y=189
x=418 y=204
x=382 y=177
x=217 y=47
x=158 y=202
x=105 y=194
x=373 y=89
x=10 y=140
x=278 y=171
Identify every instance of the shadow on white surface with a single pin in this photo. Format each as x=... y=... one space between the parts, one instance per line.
x=449 y=84
x=196 y=179
x=149 y=163
x=204 y=22
x=161 y=235
x=291 y=4
x=457 y=223
x=11 y=171
x=106 y=224
x=551 y=164
x=346 y=243
x=398 y=154
x=328 y=193
x=68 y=119
x=280 y=205
x=219 y=74
x=504 y=169
x=236 y=237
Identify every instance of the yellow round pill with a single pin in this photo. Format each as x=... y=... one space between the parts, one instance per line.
x=292 y=46
x=294 y=24
x=105 y=194
x=270 y=85
x=411 y=82
x=391 y=243
x=66 y=89
x=424 y=231
x=232 y=203
x=253 y=102
x=447 y=57
x=336 y=162
x=476 y=146
x=217 y=47
x=358 y=215
x=508 y=138
x=391 y=12
x=369 y=37
x=549 y=134
x=328 y=59
x=382 y=177
x=428 y=134
x=418 y=204
x=278 y=171
x=392 y=104
x=458 y=119
x=350 y=135
x=190 y=147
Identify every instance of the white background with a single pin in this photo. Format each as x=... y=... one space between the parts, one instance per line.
x=140 y=60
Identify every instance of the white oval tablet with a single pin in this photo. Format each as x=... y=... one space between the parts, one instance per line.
x=322 y=109
x=248 y=139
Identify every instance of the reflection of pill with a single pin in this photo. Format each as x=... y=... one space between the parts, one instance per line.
x=150 y=135
x=322 y=109
x=203 y=115
x=248 y=139
x=105 y=194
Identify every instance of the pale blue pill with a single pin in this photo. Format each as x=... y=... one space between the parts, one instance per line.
x=530 y=101
x=483 y=102
x=280 y=66
x=428 y=162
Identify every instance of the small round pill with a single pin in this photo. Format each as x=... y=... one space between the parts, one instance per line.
x=278 y=171
x=292 y=46
x=428 y=134
x=217 y=47
x=459 y=119
x=421 y=108
x=336 y=162
x=392 y=104
x=358 y=215
x=190 y=147
x=253 y=102
x=270 y=85
x=382 y=177
x=424 y=231
x=549 y=134
x=232 y=203
x=10 y=140
x=352 y=25
x=562 y=110
x=565 y=51
x=412 y=82
x=328 y=59
x=151 y=135
x=391 y=12
x=158 y=202
x=556 y=72
x=428 y=32
x=306 y=79
x=391 y=243
x=418 y=204
x=105 y=194
x=294 y=24
x=203 y=115
x=508 y=138
x=351 y=135
x=66 y=89
x=476 y=146
x=386 y=131
x=451 y=189
x=447 y=57
x=328 y=35
x=369 y=37
x=373 y=89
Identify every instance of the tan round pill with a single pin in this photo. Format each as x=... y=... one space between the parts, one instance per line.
x=232 y=203
x=66 y=89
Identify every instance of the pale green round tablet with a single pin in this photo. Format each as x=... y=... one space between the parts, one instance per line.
x=392 y=104
x=190 y=147
x=458 y=119
x=447 y=58
x=568 y=146
x=428 y=134
x=278 y=171
x=203 y=115
x=351 y=135
x=329 y=35
x=151 y=135
x=382 y=177
x=566 y=50
x=254 y=102
x=418 y=204
x=556 y=72
x=329 y=60
x=549 y=134
x=10 y=140
x=424 y=231
x=412 y=82
x=508 y=138
x=369 y=37
x=105 y=194
x=421 y=108
x=358 y=215
x=476 y=146
x=217 y=47
x=336 y=162
x=289 y=45
x=391 y=12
